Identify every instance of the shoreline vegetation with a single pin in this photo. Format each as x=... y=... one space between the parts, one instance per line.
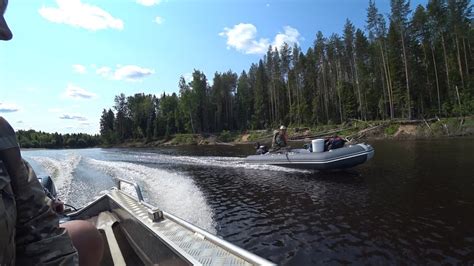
x=32 y=139
x=354 y=130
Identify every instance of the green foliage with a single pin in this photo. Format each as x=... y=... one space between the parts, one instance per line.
x=227 y=136
x=469 y=122
x=260 y=95
x=349 y=103
x=245 y=101
x=391 y=129
x=37 y=139
x=466 y=107
x=186 y=139
x=108 y=135
x=256 y=135
x=452 y=126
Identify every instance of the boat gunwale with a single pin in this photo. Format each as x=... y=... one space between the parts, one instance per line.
x=221 y=243
x=176 y=249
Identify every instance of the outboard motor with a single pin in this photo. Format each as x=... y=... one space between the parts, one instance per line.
x=261 y=149
x=48 y=186
x=50 y=190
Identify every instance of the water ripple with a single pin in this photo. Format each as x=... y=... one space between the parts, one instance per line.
x=61 y=170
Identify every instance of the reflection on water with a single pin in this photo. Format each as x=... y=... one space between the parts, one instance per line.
x=412 y=204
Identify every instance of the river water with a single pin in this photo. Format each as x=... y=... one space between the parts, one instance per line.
x=413 y=203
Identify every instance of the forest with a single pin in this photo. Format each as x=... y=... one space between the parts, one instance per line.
x=38 y=139
x=408 y=64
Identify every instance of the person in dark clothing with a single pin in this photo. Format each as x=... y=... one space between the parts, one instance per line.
x=280 y=139
x=333 y=143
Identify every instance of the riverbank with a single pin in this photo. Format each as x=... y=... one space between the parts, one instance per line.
x=356 y=130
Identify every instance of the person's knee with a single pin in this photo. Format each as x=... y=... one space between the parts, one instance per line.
x=87 y=240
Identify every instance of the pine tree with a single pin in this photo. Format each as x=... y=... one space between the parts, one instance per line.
x=260 y=118
x=286 y=58
x=399 y=20
x=438 y=20
x=377 y=32
x=349 y=31
x=244 y=101
x=187 y=105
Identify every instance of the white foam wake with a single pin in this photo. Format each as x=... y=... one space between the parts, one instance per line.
x=172 y=192
x=61 y=171
x=224 y=162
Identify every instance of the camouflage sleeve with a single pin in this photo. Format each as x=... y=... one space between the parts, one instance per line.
x=7 y=135
x=39 y=239
x=7 y=219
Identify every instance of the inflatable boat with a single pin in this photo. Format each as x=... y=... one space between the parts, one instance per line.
x=137 y=233
x=341 y=158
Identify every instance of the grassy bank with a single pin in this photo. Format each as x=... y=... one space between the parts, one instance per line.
x=354 y=130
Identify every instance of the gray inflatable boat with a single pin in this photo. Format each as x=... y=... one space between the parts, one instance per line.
x=342 y=158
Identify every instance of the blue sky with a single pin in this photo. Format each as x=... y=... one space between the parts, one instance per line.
x=69 y=58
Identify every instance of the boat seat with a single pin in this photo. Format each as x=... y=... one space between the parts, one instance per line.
x=117 y=250
x=105 y=221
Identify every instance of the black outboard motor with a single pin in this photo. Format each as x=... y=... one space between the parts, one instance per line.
x=48 y=186
x=50 y=191
x=261 y=149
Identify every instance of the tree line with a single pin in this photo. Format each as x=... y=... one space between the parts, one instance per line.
x=407 y=64
x=38 y=139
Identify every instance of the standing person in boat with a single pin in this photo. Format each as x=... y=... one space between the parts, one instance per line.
x=280 y=139
x=29 y=228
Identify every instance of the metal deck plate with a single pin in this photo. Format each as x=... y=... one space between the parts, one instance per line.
x=193 y=246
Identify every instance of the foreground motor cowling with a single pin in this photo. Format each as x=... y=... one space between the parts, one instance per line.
x=48 y=186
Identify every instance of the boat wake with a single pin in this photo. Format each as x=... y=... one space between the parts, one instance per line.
x=222 y=162
x=171 y=192
x=61 y=170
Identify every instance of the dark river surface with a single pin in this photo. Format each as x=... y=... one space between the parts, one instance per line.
x=413 y=203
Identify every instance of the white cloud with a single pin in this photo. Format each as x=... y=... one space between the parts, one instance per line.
x=8 y=108
x=159 y=20
x=128 y=72
x=243 y=38
x=19 y=122
x=79 y=68
x=73 y=117
x=104 y=71
x=148 y=2
x=75 y=92
x=132 y=72
x=289 y=36
x=77 y=14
